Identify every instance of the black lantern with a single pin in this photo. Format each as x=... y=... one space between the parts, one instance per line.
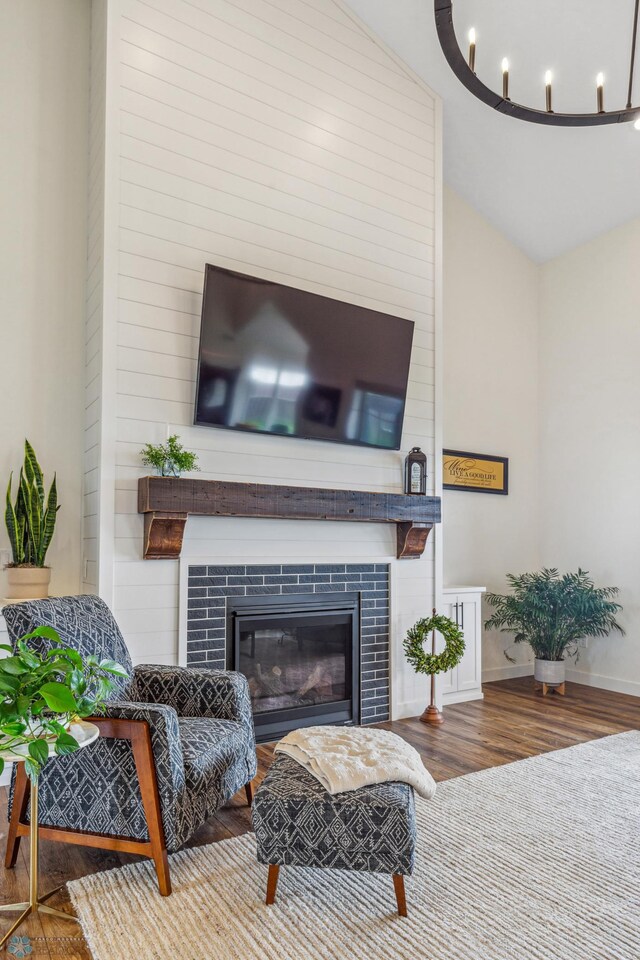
x=415 y=472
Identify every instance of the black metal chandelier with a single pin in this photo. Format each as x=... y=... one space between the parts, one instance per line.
x=465 y=70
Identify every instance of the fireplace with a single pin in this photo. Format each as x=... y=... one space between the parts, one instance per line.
x=256 y=599
x=301 y=656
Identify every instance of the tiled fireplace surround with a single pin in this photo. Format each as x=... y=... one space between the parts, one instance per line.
x=208 y=587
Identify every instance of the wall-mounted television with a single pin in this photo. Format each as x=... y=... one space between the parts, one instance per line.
x=277 y=360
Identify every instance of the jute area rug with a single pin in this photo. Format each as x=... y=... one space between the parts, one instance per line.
x=538 y=859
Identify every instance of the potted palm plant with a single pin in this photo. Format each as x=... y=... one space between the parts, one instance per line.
x=30 y=522
x=552 y=613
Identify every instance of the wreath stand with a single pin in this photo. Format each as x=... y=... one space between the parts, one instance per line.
x=434 y=663
x=431 y=713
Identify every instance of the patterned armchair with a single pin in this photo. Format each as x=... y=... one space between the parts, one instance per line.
x=175 y=745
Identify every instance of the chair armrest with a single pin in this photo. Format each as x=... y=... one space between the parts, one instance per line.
x=165 y=741
x=222 y=694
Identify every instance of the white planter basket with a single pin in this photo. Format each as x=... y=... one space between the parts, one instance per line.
x=551 y=672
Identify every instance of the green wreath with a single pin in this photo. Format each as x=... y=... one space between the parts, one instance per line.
x=430 y=663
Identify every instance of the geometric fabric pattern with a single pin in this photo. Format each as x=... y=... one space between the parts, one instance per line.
x=210 y=586
x=201 y=733
x=297 y=823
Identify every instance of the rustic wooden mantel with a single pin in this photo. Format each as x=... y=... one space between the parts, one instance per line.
x=167 y=502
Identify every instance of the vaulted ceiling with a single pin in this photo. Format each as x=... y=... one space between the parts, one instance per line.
x=547 y=188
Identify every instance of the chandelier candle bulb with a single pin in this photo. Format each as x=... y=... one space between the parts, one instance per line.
x=472 y=49
x=464 y=68
x=600 y=92
x=505 y=78
x=547 y=89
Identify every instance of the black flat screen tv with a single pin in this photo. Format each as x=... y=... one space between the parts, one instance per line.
x=282 y=361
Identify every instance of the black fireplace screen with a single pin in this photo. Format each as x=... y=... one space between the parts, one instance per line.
x=301 y=657
x=298 y=663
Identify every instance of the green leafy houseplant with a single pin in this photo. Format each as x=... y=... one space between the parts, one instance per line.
x=432 y=663
x=31 y=519
x=552 y=613
x=41 y=694
x=170 y=459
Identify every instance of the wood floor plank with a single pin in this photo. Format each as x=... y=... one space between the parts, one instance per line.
x=511 y=723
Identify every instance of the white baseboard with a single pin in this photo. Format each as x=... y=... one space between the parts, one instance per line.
x=631 y=687
x=507 y=672
x=410 y=708
x=414 y=708
x=464 y=696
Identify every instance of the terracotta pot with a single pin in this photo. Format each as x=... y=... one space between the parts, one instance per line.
x=551 y=672
x=28 y=583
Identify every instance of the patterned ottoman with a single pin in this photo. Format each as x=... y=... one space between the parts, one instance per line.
x=297 y=823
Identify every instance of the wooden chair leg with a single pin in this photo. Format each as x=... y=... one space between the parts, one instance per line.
x=146 y=769
x=272 y=883
x=401 y=899
x=248 y=789
x=18 y=813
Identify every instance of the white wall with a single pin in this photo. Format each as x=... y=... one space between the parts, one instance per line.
x=94 y=353
x=44 y=71
x=490 y=406
x=284 y=142
x=590 y=441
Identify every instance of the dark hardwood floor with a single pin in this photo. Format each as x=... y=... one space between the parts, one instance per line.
x=509 y=724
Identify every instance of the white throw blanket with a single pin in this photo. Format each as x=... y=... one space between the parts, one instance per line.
x=346 y=758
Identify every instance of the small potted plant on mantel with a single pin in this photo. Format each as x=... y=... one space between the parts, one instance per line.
x=30 y=523
x=552 y=613
x=169 y=459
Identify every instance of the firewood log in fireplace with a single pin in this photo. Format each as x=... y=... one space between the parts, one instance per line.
x=269 y=684
x=319 y=680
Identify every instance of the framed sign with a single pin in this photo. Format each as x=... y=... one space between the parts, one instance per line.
x=478 y=472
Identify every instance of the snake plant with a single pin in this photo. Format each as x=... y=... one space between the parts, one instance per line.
x=31 y=519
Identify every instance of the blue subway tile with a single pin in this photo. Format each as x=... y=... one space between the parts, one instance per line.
x=196 y=660
x=226 y=591
x=197 y=603
x=194 y=592
x=195 y=645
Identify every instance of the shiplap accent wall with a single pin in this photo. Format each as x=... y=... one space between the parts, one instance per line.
x=278 y=138
x=95 y=287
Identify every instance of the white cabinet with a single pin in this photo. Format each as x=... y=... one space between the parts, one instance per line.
x=463 y=605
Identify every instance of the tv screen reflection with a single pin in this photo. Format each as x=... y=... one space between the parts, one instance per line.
x=278 y=360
